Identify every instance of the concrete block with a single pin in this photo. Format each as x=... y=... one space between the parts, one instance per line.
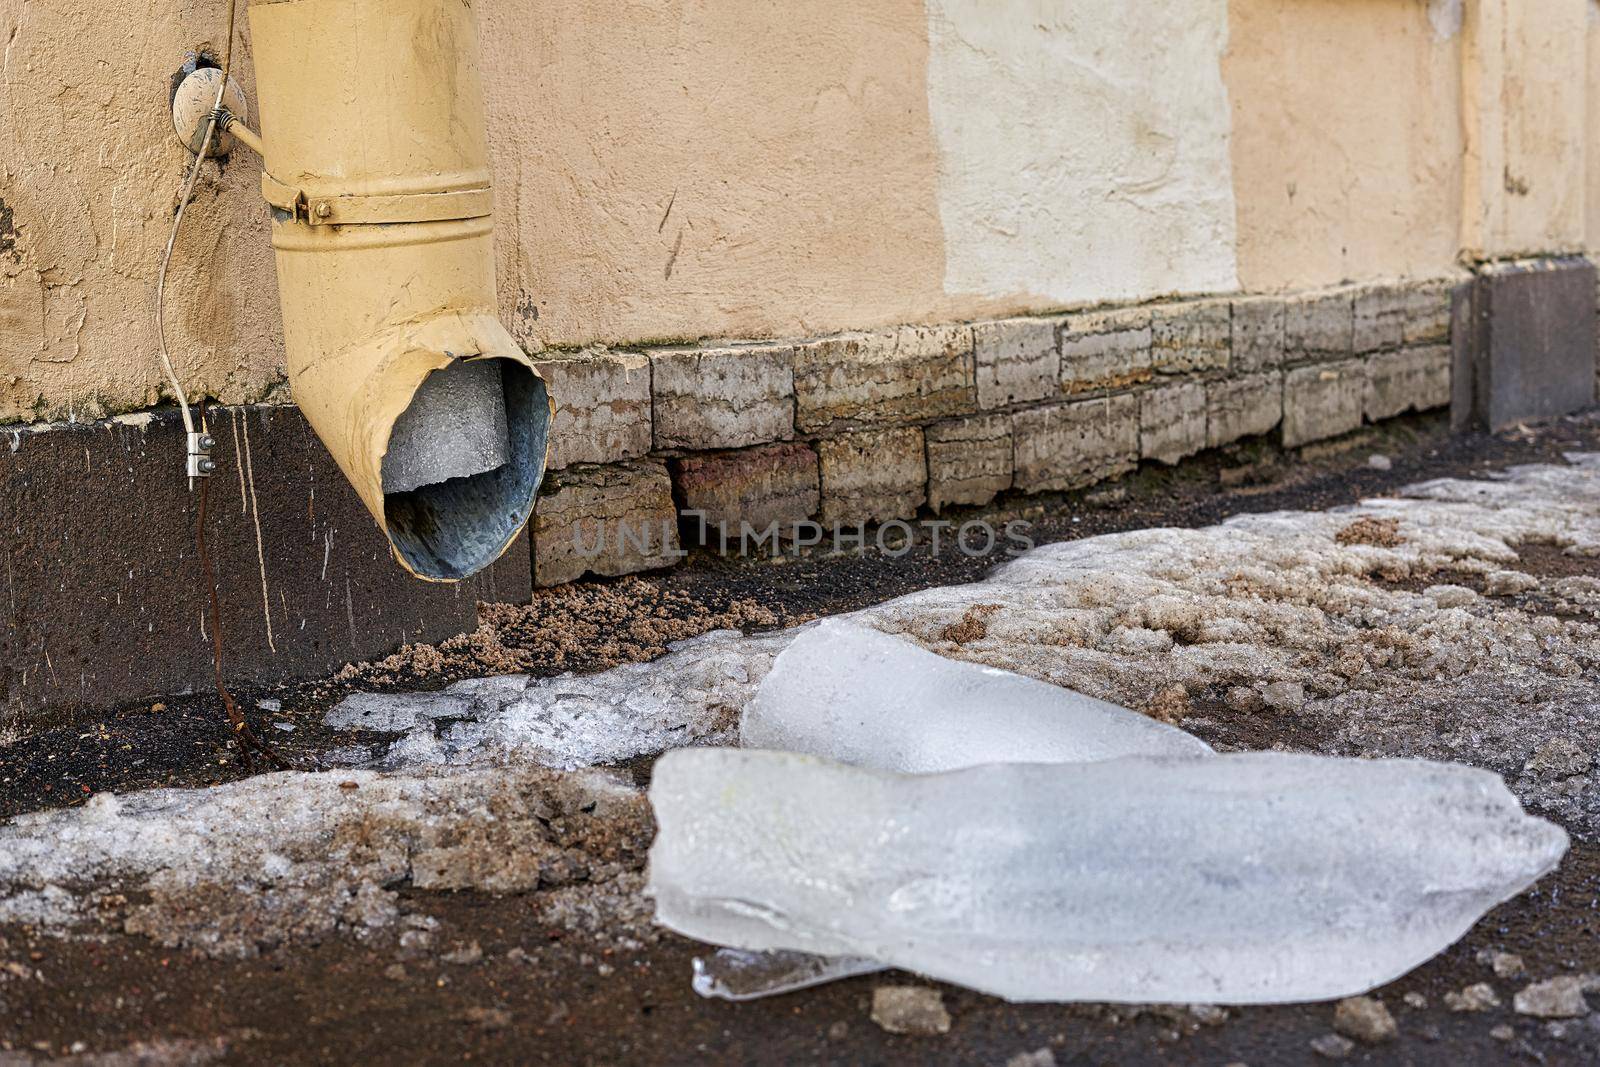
x=969 y=460
x=107 y=608
x=1172 y=421
x=1105 y=350
x=1412 y=379
x=757 y=486
x=1387 y=317
x=602 y=407
x=878 y=379
x=1257 y=334
x=1378 y=318
x=1322 y=401
x=1072 y=445
x=729 y=397
x=1192 y=336
x=1246 y=406
x=610 y=520
x=872 y=476
x=1319 y=327
x=1531 y=352
x=1016 y=361
x=1428 y=311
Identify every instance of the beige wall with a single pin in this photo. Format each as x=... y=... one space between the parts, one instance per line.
x=671 y=169
x=1346 y=140
x=1525 y=115
x=1592 y=138
x=89 y=174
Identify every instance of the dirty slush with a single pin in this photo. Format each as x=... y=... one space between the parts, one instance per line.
x=445 y=883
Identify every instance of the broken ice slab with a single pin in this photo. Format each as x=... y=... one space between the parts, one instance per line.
x=735 y=974
x=692 y=695
x=1243 y=878
x=854 y=694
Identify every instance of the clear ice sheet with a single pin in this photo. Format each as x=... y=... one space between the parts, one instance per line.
x=736 y=974
x=1243 y=878
x=854 y=694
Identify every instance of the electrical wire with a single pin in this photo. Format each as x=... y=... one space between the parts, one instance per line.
x=248 y=740
x=177 y=224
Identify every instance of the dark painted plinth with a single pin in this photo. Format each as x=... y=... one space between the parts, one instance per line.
x=1525 y=343
x=101 y=587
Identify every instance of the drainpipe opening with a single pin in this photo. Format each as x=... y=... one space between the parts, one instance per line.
x=463 y=465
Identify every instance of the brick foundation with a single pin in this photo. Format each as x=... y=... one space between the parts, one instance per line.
x=859 y=428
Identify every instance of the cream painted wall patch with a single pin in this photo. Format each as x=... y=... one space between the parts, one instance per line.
x=1083 y=147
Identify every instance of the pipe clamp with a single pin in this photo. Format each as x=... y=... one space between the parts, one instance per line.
x=383 y=209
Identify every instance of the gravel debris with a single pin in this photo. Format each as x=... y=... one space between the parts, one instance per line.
x=910 y=1009
x=1477 y=997
x=1554 y=998
x=1332 y=1046
x=1365 y=1019
x=1504 y=964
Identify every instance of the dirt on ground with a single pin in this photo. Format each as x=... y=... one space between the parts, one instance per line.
x=560 y=974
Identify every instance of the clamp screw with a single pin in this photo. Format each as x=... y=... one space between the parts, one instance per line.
x=208 y=442
x=324 y=209
x=207 y=464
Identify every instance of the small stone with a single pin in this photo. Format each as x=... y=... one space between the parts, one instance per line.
x=269 y=704
x=1477 y=997
x=1502 y=1033
x=1450 y=596
x=1554 y=998
x=395 y=972
x=1284 y=696
x=839 y=1031
x=1042 y=1057
x=487 y=1018
x=1509 y=583
x=1379 y=462
x=1365 y=1019
x=286 y=727
x=469 y=953
x=1504 y=964
x=1558 y=757
x=1332 y=1046
x=1242 y=698
x=910 y=1009
x=1208 y=1014
x=1415 y=1000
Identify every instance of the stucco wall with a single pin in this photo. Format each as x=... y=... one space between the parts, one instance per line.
x=1592 y=140
x=89 y=176
x=1346 y=139
x=1525 y=114
x=671 y=169
x=1083 y=148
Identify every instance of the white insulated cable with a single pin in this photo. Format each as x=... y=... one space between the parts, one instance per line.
x=172 y=237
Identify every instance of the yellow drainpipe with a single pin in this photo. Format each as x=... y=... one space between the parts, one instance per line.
x=377 y=170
